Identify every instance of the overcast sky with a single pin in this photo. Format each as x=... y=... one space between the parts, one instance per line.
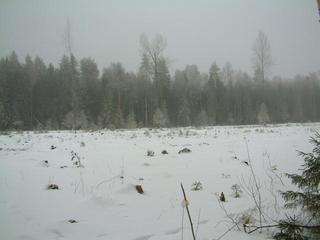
x=197 y=31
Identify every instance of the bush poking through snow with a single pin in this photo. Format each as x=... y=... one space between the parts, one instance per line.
x=184 y=150
x=72 y=221
x=76 y=159
x=236 y=190
x=44 y=163
x=52 y=186
x=225 y=175
x=196 y=186
x=247 y=219
x=82 y=144
x=139 y=189
x=53 y=147
x=164 y=152
x=150 y=153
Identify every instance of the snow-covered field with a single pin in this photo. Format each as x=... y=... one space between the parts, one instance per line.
x=102 y=197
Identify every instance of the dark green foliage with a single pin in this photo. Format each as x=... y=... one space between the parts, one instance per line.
x=74 y=95
x=290 y=230
x=307 y=199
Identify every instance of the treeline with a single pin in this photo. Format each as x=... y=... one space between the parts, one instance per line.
x=74 y=95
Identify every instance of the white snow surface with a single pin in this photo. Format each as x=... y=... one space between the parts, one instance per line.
x=107 y=206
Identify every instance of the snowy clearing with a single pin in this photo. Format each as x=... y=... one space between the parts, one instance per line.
x=101 y=196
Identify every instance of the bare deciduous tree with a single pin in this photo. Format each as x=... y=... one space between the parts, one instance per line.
x=262 y=59
x=153 y=50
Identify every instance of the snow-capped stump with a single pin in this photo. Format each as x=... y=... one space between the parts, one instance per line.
x=150 y=153
x=184 y=150
x=139 y=189
x=52 y=187
x=53 y=147
x=72 y=221
x=164 y=152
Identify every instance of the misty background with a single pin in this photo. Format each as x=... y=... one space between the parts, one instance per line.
x=197 y=32
x=128 y=64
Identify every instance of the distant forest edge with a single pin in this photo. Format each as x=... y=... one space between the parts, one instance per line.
x=74 y=95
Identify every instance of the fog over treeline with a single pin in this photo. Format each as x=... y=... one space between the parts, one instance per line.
x=75 y=95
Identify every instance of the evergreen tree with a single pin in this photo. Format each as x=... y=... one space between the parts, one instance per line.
x=90 y=92
x=307 y=199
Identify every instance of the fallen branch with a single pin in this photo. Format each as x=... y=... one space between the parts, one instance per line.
x=278 y=225
x=225 y=233
x=228 y=215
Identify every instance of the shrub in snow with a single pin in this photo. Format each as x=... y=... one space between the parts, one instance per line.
x=53 y=147
x=164 y=152
x=247 y=218
x=150 y=153
x=196 y=186
x=236 y=190
x=76 y=159
x=72 y=221
x=184 y=150
x=82 y=144
x=225 y=175
x=45 y=163
x=53 y=187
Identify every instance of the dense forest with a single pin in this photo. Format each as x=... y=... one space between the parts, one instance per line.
x=75 y=95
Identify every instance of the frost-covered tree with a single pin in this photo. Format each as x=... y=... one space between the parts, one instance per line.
x=201 y=118
x=160 y=119
x=263 y=114
x=76 y=122
x=131 y=120
x=306 y=199
x=184 y=113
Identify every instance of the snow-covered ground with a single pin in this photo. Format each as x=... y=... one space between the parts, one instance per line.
x=102 y=197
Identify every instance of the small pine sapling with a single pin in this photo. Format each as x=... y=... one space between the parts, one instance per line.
x=236 y=190
x=306 y=199
x=75 y=158
x=196 y=186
